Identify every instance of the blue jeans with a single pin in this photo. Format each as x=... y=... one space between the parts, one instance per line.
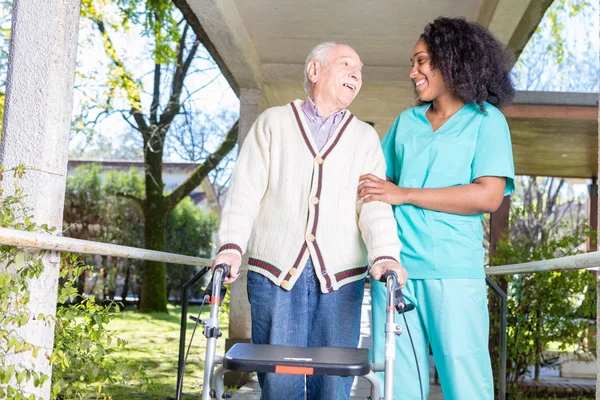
x=304 y=317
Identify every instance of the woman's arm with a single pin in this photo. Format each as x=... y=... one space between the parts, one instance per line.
x=484 y=195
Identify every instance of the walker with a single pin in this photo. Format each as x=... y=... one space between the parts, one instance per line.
x=244 y=357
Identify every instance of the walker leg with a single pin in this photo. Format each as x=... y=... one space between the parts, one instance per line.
x=374 y=381
x=218 y=379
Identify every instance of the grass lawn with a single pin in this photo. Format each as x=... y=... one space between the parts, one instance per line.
x=154 y=342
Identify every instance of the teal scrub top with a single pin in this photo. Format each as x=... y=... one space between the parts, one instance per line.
x=471 y=144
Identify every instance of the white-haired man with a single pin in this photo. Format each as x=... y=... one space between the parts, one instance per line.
x=292 y=206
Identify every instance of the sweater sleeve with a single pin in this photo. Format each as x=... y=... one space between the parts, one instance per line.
x=246 y=189
x=376 y=219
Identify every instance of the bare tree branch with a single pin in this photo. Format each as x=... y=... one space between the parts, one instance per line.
x=202 y=171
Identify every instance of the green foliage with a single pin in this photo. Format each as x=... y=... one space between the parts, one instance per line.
x=189 y=232
x=542 y=307
x=82 y=357
x=156 y=17
x=100 y=207
x=84 y=347
x=18 y=267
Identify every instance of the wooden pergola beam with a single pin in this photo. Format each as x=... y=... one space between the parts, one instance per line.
x=527 y=26
x=486 y=12
x=551 y=111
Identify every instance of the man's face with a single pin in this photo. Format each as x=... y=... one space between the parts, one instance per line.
x=340 y=79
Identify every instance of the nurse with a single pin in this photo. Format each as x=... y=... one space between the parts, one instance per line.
x=449 y=160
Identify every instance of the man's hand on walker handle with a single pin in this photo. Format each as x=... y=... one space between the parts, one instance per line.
x=379 y=269
x=234 y=260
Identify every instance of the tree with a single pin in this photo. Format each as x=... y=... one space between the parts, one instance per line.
x=554 y=58
x=154 y=114
x=98 y=207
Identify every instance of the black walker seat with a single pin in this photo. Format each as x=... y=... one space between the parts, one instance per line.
x=336 y=361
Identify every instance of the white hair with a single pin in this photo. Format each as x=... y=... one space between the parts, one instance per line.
x=320 y=53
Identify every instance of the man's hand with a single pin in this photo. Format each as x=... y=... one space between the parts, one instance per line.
x=234 y=260
x=379 y=269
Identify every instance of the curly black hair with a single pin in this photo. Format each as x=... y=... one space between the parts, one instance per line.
x=473 y=63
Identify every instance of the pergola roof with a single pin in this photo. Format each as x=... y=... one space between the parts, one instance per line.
x=262 y=44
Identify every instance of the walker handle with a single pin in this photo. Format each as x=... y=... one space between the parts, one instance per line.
x=208 y=293
x=399 y=301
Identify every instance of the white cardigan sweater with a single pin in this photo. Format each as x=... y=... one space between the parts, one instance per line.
x=288 y=201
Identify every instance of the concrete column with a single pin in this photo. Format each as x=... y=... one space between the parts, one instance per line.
x=240 y=327
x=239 y=313
x=250 y=104
x=37 y=119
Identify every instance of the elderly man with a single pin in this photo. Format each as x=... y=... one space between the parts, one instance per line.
x=292 y=206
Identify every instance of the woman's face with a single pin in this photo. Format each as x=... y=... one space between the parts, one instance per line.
x=429 y=83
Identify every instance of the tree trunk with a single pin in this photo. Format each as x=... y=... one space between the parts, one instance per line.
x=537 y=344
x=127 y=283
x=154 y=274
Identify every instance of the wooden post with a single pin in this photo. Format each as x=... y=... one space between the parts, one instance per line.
x=498 y=229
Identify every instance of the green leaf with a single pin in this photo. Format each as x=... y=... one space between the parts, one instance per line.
x=20 y=259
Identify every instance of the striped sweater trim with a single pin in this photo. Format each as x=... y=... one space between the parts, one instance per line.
x=297 y=262
x=230 y=246
x=337 y=139
x=349 y=273
x=265 y=265
x=302 y=130
x=384 y=258
x=323 y=269
x=305 y=136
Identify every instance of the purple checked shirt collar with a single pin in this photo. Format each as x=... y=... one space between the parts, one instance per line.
x=320 y=129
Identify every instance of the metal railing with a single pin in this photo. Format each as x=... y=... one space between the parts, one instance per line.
x=17 y=238
x=57 y=243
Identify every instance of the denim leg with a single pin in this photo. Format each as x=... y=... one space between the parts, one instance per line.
x=279 y=317
x=335 y=322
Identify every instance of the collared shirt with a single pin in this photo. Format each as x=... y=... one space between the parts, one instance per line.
x=320 y=128
x=471 y=144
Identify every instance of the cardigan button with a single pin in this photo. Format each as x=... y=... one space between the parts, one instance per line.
x=294 y=272
x=310 y=238
x=319 y=160
x=286 y=285
x=315 y=200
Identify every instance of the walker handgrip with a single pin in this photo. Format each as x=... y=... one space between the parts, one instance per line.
x=225 y=268
x=387 y=274
x=208 y=293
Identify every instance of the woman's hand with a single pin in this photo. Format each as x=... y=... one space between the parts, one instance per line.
x=372 y=188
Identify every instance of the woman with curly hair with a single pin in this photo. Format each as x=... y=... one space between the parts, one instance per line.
x=449 y=160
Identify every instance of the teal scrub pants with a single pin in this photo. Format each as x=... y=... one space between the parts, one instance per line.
x=451 y=315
